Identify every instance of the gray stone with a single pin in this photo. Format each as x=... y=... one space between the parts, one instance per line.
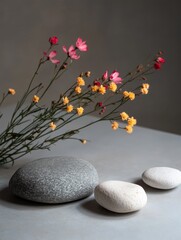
x=162 y=177
x=54 y=180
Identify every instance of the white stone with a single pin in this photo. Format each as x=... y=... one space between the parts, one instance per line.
x=120 y=197
x=162 y=177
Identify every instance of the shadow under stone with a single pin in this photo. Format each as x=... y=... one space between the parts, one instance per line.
x=92 y=207
x=149 y=189
x=11 y=201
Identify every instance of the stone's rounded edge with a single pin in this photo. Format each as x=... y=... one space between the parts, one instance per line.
x=163 y=178
x=86 y=184
x=111 y=196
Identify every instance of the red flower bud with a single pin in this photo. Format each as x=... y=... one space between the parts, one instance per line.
x=97 y=83
x=100 y=104
x=157 y=66
x=53 y=40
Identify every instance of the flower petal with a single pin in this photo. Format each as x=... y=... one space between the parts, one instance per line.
x=75 y=56
x=71 y=48
x=52 y=54
x=114 y=75
x=105 y=75
x=117 y=80
x=160 y=60
x=55 y=61
x=81 y=45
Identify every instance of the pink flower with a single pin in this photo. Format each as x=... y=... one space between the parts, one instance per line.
x=71 y=52
x=53 y=40
x=105 y=75
x=81 y=45
x=50 y=57
x=115 y=77
x=160 y=60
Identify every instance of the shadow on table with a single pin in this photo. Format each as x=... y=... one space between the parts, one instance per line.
x=151 y=190
x=11 y=201
x=91 y=207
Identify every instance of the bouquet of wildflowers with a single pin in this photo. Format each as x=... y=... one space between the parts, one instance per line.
x=32 y=123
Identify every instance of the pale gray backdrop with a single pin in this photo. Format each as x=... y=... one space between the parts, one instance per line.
x=120 y=34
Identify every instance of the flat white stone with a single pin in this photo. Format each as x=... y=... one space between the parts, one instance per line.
x=120 y=197
x=162 y=177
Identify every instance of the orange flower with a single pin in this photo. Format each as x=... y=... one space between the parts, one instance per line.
x=94 y=88
x=113 y=87
x=52 y=126
x=124 y=116
x=129 y=129
x=131 y=96
x=80 y=111
x=36 y=99
x=144 y=91
x=146 y=85
x=125 y=94
x=69 y=108
x=65 y=100
x=78 y=90
x=115 y=125
x=132 y=121
x=102 y=90
x=80 y=81
x=11 y=91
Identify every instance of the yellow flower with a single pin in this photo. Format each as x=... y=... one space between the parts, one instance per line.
x=36 y=99
x=102 y=90
x=69 y=108
x=83 y=141
x=125 y=94
x=131 y=96
x=124 y=116
x=129 y=129
x=87 y=74
x=146 y=85
x=53 y=126
x=78 y=90
x=113 y=87
x=132 y=121
x=80 y=111
x=115 y=125
x=94 y=88
x=11 y=91
x=80 y=81
x=144 y=90
x=65 y=100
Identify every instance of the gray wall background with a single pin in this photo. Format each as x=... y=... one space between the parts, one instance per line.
x=120 y=34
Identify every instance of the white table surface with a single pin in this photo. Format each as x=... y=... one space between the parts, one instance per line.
x=116 y=156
